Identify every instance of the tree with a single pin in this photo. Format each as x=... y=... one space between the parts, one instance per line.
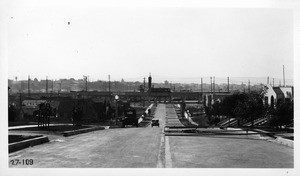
x=216 y=108
x=208 y=111
x=283 y=114
x=213 y=113
x=231 y=103
x=240 y=111
x=243 y=106
x=253 y=106
x=11 y=113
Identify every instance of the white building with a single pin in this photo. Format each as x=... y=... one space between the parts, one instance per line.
x=275 y=94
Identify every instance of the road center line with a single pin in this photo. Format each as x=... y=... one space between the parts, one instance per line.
x=160 y=163
x=168 y=153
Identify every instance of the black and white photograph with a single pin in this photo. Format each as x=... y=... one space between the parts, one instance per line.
x=147 y=87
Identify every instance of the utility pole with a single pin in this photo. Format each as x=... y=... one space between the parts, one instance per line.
x=214 y=86
x=202 y=85
x=283 y=76
x=144 y=87
x=228 y=84
x=22 y=87
x=243 y=87
x=52 y=86
x=59 y=90
x=249 y=86
x=21 y=91
x=273 y=82
x=86 y=82
x=268 y=80
x=144 y=84
x=28 y=86
x=46 y=84
x=109 y=85
x=210 y=84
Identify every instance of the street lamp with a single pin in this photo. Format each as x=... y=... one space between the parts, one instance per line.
x=116 y=98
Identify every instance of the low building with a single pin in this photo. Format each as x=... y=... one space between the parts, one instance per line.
x=210 y=98
x=32 y=103
x=160 y=90
x=273 y=95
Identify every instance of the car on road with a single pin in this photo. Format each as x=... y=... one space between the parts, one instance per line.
x=155 y=122
x=130 y=118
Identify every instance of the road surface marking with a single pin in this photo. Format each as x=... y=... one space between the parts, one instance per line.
x=168 y=153
x=161 y=152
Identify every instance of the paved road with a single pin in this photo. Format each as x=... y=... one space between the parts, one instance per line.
x=149 y=147
x=228 y=152
x=114 y=148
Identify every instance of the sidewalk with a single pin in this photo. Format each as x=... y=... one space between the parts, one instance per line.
x=172 y=118
x=27 y=126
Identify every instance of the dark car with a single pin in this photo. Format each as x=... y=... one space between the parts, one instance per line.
x=130 y=118
x=155 y=122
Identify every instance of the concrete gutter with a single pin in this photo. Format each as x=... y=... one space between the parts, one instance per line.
x=27 y=143
x=149 y=107
x=140 y=120
x=187 y=116
x=148 y=123
x=74 y=132
x=278 y=139
x=284 y=141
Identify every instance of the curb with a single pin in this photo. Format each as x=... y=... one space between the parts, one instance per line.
x=270 y=134
x=74 y=132
x=182 y=134
x=283 y=141
x=278 y=140
x=27 y=143
x=147 y=124
x=112 y=127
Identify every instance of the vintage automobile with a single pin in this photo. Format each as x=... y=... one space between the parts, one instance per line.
x=130 y=118
x=155 y=122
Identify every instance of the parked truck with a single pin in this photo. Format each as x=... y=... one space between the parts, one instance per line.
x=130 y=118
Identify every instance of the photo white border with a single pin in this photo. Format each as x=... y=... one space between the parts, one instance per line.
x=5 y=7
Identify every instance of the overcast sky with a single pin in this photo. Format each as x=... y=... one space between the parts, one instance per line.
x=172 y=43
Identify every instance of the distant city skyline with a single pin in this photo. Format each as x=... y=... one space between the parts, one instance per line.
x=194 y=80
x=68 y=85
x=174 y=44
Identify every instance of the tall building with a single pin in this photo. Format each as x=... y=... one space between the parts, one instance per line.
x=149 y=82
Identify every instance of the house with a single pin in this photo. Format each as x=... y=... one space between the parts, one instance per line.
x=273 y=95
x=210 y=98
x=29 y=106
x=32 y=103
